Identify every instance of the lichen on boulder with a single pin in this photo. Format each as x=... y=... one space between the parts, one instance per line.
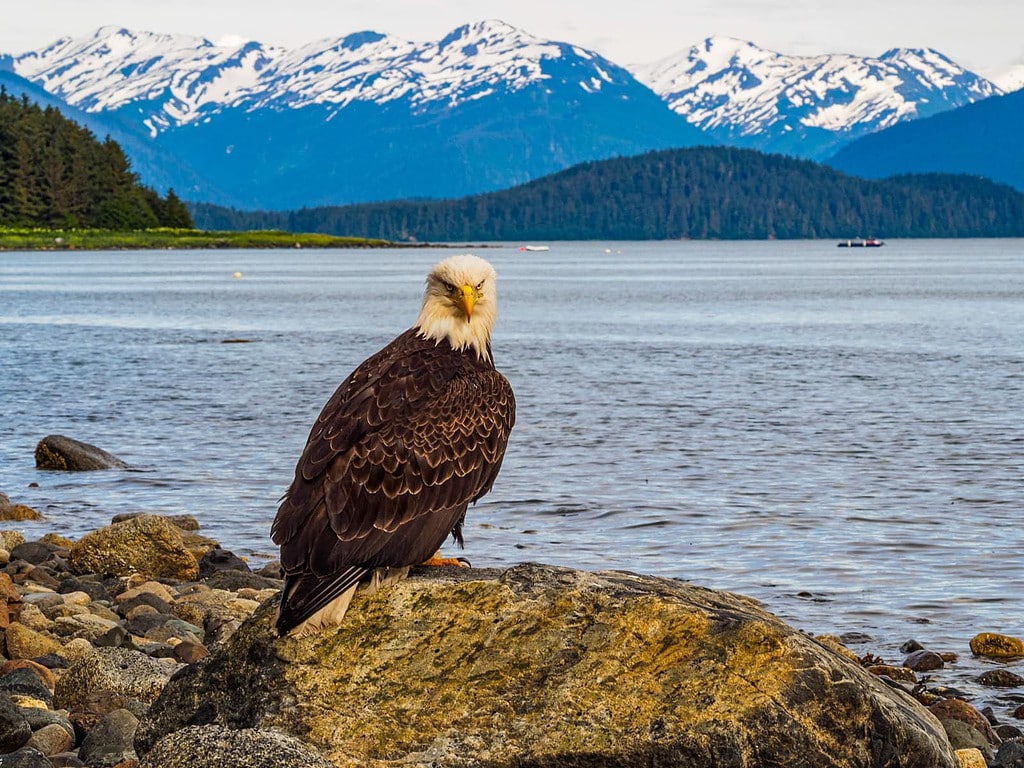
x=147 y=544
x=543 y=666
x=219 y=747
x=116 y=670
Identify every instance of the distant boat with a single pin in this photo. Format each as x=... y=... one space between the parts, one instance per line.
x=534 y=248
x=864 y=242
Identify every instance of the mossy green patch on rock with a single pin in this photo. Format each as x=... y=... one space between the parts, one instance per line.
x=542 y=666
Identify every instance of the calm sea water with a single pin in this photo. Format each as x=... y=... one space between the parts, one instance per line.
x=835 y=432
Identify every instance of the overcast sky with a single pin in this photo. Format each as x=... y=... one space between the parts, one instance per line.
x=986 y=36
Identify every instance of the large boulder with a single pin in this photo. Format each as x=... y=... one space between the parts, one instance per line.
x=542 y=666
x=148 y=544
x=65 y=453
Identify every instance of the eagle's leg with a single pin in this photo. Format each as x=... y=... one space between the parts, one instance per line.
x=436 y=559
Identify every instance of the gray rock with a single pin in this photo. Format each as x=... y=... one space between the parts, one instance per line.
x=114 y=637
x=144 y=598
x=52 y=661
x=14 y=727
x=963 y=736
x=58 y=452
x=923 y=661
x=218 y=559
x=213 y=746
x=118 y=670
x=1010 y=755
x=26 y=757
x=87 y=584
x=544 y=666
x=66 y=760
x=143 y=623
x=110 y=742
x=25 y=682
x=40 y=718
x=233 y=581
x=1001 y=678
x=34 y=552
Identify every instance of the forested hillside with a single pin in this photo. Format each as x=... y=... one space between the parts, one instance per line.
x=54 y=173
x=700 y=193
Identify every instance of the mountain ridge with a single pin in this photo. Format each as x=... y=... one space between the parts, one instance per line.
x=979 y=139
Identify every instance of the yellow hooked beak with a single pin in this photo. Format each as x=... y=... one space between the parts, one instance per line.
x=466 y=299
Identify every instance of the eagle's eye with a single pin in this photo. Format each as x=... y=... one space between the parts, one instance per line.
x=480 y=285
x=448 y=286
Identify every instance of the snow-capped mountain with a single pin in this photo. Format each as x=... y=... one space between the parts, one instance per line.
x=183 y=76
x=361 y=117
x=806 y=105
x=184 y=79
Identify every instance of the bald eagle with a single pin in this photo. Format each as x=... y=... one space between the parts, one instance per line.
x=414 y=435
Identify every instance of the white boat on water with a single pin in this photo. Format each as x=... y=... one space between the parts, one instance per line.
x=534 y=248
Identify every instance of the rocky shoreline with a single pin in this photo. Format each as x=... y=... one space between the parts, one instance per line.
x=94 y=630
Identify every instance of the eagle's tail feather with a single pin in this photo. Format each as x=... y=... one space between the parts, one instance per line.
x=310 y=603
x=305 y=595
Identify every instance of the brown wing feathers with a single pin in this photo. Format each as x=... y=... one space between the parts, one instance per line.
x=413 y=436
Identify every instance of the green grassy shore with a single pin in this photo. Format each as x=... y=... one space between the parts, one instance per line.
x=35 y=239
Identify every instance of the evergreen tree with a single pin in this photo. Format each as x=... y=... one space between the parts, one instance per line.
x=55 y=173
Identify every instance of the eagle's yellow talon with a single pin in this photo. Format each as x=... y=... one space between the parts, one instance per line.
x=437 y=560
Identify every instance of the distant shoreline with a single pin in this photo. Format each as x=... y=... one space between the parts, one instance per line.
x=37 y=239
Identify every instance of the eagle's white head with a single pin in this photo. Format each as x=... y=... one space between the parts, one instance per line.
x=460 y=303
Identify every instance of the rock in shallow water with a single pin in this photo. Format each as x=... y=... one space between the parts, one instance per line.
x=923 y=661
x=57 y=452
x=1001 y=678
x=996 y=646
x=549 y=667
